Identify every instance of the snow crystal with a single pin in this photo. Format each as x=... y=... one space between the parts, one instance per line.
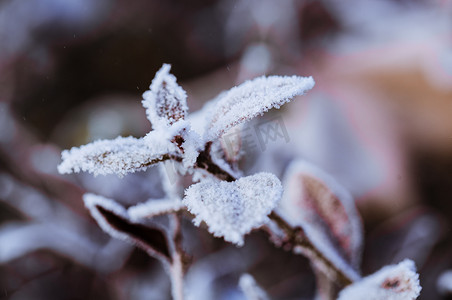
x=253 y=98
x=331 y=213
x=119 y=156
x=251 y=289
x=154 y=208
x=192 y=146
x=395 y=282
x=166 y=101
x=233 y=209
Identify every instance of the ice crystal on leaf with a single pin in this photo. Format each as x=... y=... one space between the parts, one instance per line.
x=252 y=98
x=166 y=101
x=395 y=282
x=172 y=136
x=119 y=156
x=233 y=209
x=154 y=208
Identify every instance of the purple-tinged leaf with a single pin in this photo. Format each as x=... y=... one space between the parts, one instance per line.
x=324 y=209
x=251 y=99
x=395 y=282
x=233 y=209
x=115 y=221
x=166 y=101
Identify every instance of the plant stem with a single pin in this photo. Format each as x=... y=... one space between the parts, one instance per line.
x=177 y=268
x=298 y=239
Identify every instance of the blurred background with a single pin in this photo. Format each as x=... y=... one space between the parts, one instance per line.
x=379 y=120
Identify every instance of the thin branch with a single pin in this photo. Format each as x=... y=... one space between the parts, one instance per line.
x=297 y=238
x=179 y=260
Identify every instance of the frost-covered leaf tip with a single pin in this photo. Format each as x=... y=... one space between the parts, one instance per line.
x=233 y=209
x=166 y=101
x=395 y=282
x=253 y=98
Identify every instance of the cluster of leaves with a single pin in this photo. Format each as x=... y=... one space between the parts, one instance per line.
x=315 y=216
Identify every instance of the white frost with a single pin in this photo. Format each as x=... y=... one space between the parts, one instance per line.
x=154 y=208
x=119 y=156
x=233 y=209
x=92 y=201
x=253 y=98
x=395 y=282
x=166 y=101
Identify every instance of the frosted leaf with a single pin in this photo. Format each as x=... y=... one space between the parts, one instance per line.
x=154 y=208
x=326 y=211
x=233 y=209
x=251 y=289
x=114 y=220
x=166 y=101
x=253 y=98
x=119 y=156
x=395 y=282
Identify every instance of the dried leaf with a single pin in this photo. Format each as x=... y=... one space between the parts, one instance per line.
x=233 y=209
x=119 y=156
x=115 y=221
x=253 y=98
x=395 y=282
x=166 y=101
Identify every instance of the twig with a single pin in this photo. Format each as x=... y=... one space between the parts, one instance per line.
x=297 y=238
x=179 y=260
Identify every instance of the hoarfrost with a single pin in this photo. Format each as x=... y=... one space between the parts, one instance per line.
x=251 y=289
x=166 y=101
x=395 y=282
x=233 y=209
x=154 y=208
x=119 y=156
x=253 y=98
